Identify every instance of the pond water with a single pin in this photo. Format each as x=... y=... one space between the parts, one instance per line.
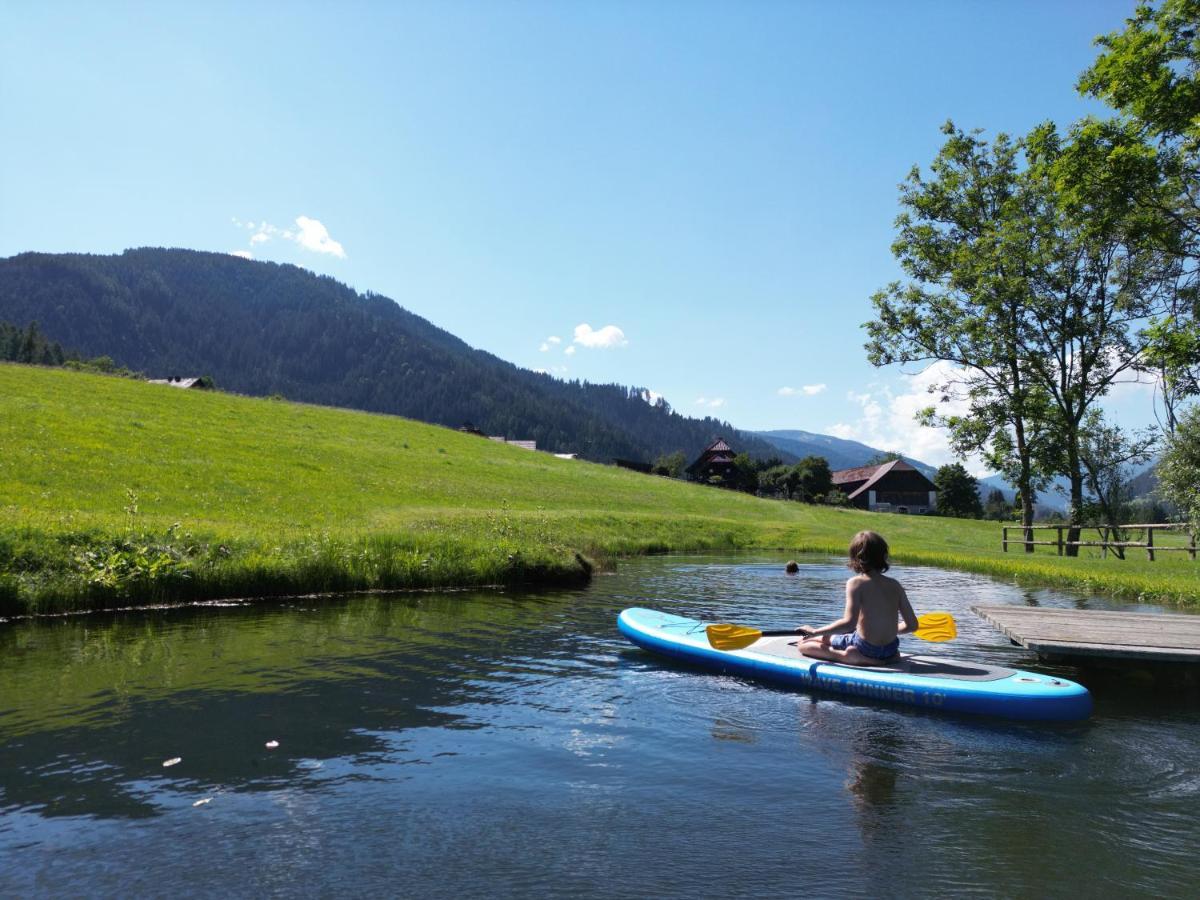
x=507 y=744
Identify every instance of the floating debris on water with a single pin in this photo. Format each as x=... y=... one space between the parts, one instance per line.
x=271 y=745
x=202 y=802
x=173 y=761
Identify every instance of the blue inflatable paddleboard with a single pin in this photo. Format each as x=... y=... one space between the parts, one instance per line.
x=927 y=682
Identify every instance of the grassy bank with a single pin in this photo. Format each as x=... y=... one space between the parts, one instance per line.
x=115 y=492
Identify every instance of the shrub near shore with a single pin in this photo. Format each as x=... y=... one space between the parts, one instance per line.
x=115 y=492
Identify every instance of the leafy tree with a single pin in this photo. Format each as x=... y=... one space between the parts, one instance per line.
x=776 y=481
x=836 y=498
x=670 y=464
x=1107 y=454
x=1150 y=73
x=1147 y=509
x=967 y=244
x=996 y=507
x=744 y=474
x=1093 y=282
x=1179 y=467
x=27 y=345
x=883 y=456
x=958 y=492
x=813 y=479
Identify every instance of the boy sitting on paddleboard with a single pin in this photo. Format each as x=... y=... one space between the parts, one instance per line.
x=867 y=634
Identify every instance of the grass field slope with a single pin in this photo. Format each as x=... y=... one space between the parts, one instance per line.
x=114 y=491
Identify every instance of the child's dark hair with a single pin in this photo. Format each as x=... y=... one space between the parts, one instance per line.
x=868 y=553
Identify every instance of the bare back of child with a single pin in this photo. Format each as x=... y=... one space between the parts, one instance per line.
x=877 y=612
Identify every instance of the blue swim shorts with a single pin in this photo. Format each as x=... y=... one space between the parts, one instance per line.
x=866 y=648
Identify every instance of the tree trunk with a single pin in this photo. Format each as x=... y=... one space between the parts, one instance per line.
x=1027 y=516
x=1023 y=484
x=1075 y=473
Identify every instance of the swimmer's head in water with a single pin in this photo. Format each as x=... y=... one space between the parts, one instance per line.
x=791 y=568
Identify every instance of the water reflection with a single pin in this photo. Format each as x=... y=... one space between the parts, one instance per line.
x=872 y=784
x=725 y=730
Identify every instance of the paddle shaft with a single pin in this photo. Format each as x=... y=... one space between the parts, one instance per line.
x=789 y=632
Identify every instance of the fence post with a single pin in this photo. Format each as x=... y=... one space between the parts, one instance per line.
x=1192 y=544
x=1060 y=541
x=1150 y=543
x=1004 y=541
x=1104 y=543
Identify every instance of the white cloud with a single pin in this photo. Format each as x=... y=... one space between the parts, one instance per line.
x=650 y=396
x=1142 y=386
x=553 y=339
x=312 y=235
x=570 y=351
x=808 y=390
x=315 y=237
x=544 y=347
x=886 y=418
x=244 y=254
x=845 y=432
x=604 y=338
x=711 y=402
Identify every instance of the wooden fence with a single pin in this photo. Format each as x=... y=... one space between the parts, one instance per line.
x=1105 y=543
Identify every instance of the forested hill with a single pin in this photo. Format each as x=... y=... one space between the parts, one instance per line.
x=263 y=328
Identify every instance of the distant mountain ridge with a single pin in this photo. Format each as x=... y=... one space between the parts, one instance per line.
x=839 y=452
x=262 y=328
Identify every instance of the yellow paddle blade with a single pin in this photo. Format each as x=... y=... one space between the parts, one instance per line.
x=938 y=626
x=731 y=637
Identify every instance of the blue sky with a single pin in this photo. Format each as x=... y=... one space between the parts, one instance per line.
x=692 y=197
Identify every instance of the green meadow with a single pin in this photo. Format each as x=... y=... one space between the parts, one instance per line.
x=115 y=492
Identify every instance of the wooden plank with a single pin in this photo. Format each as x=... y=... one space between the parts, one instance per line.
x=1184 y=634
x=1160 y=526
x=1165 y=637
x=1105 y=651
x=1111 y=544
x=1039 y=612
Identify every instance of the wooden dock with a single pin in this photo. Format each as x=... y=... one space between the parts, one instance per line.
x=1099 y=635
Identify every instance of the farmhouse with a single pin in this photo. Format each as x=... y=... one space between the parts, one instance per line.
x=185 y=383
x=717 y=459
x=524 y=445
x=894 y=486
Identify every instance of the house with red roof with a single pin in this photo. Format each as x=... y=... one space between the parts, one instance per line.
x=894 y=486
